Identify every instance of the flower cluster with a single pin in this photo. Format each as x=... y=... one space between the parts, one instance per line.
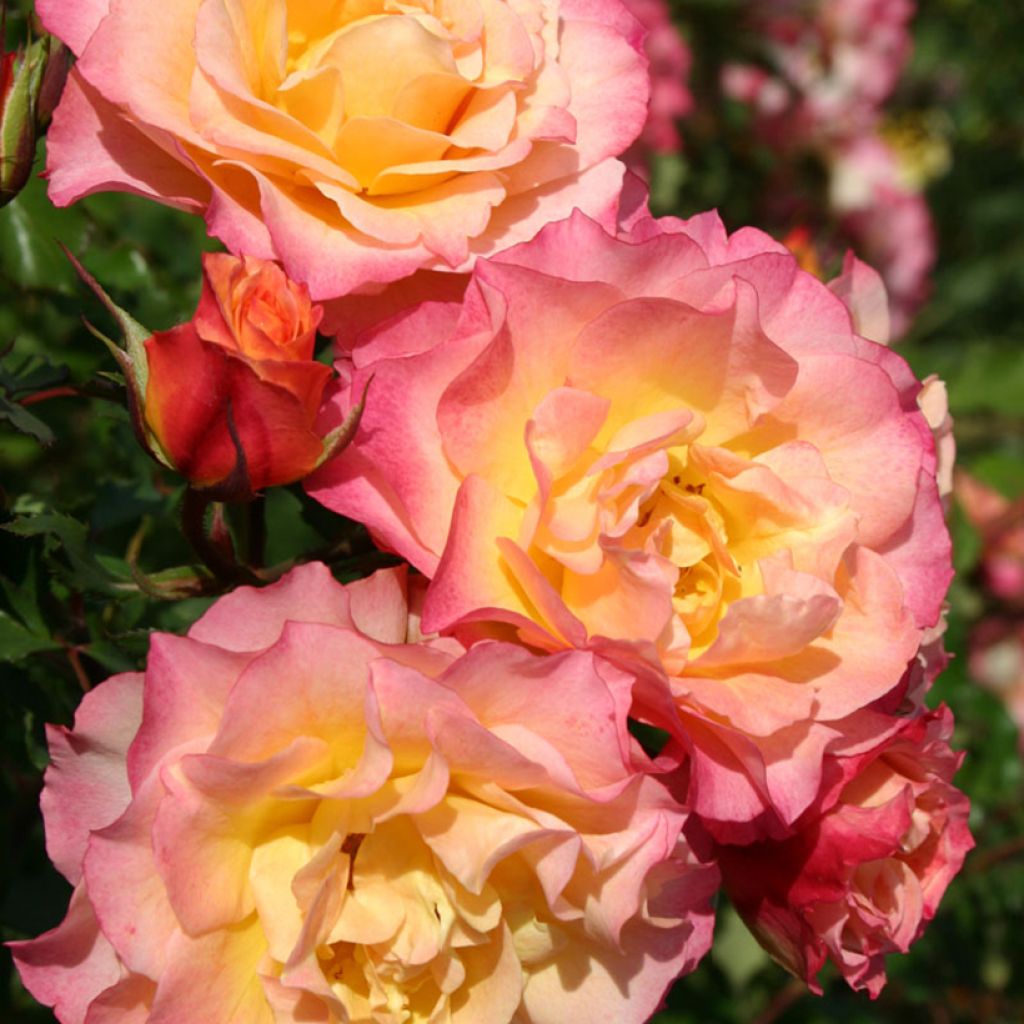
x=997 y=642
x=650 y=473
x=833 y=64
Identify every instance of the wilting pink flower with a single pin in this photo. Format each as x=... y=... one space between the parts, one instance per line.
x=864 y=878
x=354 y=143
x=672 y=447
x=1000 y=522
x=296 y=815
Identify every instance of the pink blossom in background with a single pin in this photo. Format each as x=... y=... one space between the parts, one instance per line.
x=1000 y=522
x=356 y=145
x=832 y=65
x=886 y=221
x=835 y=62
x=668 y=447
x=996 y=662
x=862 y=879
x=669 y=65
x=296 y=815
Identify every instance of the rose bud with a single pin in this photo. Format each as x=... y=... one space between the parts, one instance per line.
x=863 y=878
x=31 y=81
x=231 y=397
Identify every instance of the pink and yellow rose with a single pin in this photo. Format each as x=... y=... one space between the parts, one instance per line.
x=672 y=447
x=295 y=814
x=864 y=878
x=354 y=142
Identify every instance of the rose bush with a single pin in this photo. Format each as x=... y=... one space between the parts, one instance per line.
x=242 y=366
x=672 y=447
x=355 y=143
x=835 y=62
x=886 y=218
x=296 y=815
x=864 y=878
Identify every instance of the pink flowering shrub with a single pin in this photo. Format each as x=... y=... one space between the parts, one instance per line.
x=886 y=221
x=353 y=143
x=295 y=814
x=667 y=447
x=996 y=662
x=834 y=61
x=832 y=64
x=1000 y=522
x=863 y=877
x=669 y=64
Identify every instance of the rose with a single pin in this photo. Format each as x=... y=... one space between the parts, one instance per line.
x=864 y=878
x=232 y=396
x=671 y=447
x=297 y=815
x=354 y=143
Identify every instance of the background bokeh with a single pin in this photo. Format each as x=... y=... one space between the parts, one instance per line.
x=87 y=522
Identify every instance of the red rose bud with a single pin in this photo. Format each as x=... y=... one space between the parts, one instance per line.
x=31 y=81
x=232 y=396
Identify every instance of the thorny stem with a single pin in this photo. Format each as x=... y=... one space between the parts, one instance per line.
x=193 y=520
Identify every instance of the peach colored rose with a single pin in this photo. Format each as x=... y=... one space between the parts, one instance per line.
x=296 y=815
x=354 y=142
x=247 y=353
x=672 y=447
x=863 y=879
x=250 y=306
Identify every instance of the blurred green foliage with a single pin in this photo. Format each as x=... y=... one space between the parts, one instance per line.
x=83 y=512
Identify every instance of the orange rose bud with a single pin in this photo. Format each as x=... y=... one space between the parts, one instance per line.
x=232 y=396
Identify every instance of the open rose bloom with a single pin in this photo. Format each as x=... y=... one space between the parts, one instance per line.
x=354 y=142
x=864 y=878
x=296 y=815
x=672 y=447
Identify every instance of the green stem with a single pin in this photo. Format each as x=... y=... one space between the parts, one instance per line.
x=193 y=520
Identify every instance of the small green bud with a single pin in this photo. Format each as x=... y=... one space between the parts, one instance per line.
x=31 y=81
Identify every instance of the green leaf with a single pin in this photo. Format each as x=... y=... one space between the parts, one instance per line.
x=73 y=537
x=24 y=598
x=24 y=422
x=17 y=643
